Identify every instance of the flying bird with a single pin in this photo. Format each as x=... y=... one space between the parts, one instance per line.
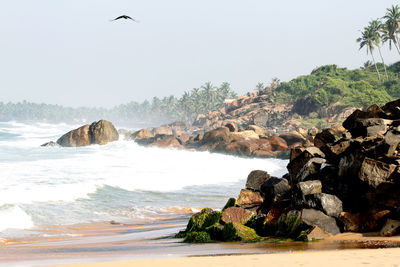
x=125 y=17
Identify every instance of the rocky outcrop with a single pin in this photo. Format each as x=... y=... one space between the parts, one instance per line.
x=101 y=132
x=346 y=182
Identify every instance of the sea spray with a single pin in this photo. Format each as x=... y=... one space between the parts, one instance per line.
x=118 y=181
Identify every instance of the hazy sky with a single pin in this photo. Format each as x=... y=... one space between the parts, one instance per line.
x=68 y=52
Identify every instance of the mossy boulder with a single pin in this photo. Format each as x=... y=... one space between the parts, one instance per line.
x=288 y=226
x=197 y=237
x=207 y=221
x=205 y=218
x=238 y=232
x=230 y=203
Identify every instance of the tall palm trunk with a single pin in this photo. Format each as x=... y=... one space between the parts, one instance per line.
x=384 y=66
x=376 y=67
x=396 y=44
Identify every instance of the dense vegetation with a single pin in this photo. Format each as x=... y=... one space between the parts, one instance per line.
x=168 y=109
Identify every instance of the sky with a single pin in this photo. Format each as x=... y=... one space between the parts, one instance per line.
x=68 y=52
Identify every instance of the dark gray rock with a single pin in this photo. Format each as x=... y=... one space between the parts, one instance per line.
x=300 y=158
x=51 y=144
x=331 y=205
x=256 y=179
x=275 y=190
x=317 y=218
x=309 y=170
x=310 y=187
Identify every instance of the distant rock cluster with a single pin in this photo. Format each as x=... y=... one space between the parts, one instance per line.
x=343 y=183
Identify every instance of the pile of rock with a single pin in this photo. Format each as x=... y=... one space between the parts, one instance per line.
x=252 y=141
x=348 y=182
x=101 y=132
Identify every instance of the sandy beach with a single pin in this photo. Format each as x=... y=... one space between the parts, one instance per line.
x=351 y=257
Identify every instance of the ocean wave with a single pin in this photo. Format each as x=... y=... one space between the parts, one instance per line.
x=13 y=217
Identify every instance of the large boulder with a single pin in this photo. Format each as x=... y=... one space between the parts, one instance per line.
x=217 y=136
x=331 y=205
x=237 y=215
x=249 y=198
x=374 y=172
x=317 y=218
x=302 y=156
x=141 y=134
x=255 y=179
x=309 y=170
x=275 y=191
x=103 y=132
x=77 y=137
x=391 y=228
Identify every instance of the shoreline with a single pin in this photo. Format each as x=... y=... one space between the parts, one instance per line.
x=351 y=257
x=149 y=242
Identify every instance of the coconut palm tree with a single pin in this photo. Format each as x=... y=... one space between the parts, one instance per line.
x=392 y=26
x=376 y=28
x=367 y=40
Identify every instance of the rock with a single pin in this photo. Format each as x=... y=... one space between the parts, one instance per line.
x=166 y=141
x=324 y=137
x=220 y=135
x=76 y=138
x=163 y=130
x=309 y=170
x=103 y=132
x=392 y=139
x=391 y=228
x=203 y=219
x=300 y=159
x=392 y=109
x=232 y=127
x=369 y=127
x=141 y=134
x=317 y=218
x=197 y=237
x=317 y=234
x=331 y=205
x=51 y=144
x=351 y=221
x=310 y=187
x=259 y=130
x=183 y=138
x=333 y=151
x=293 y=138
x=350 y=122
x=277 y=143
x=230 y=203
x=248 y=198
x=275 y=190
x=261 y=119
x=244 y=135
x=238 y=232
x=374 y=172
x=256 y=179
x=237 y=215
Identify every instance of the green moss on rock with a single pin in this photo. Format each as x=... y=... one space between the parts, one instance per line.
x=288 y=226
x=197 y=237
x=238 y=232
x=215 y=231
x=230 y=203
x=205 y=218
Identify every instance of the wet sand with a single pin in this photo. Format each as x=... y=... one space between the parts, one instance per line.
x=111 y=241
x=359 y=257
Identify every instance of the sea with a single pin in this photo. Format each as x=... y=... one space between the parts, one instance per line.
x=117 y=182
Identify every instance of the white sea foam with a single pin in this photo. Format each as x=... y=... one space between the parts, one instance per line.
x=13 y=217
x=62 y=185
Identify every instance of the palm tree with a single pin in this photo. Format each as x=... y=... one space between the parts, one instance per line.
x=367 y=40
x=367 y=64
x=376 y=28
x=392 y=26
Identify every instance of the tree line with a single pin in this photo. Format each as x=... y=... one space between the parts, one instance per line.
x=379 y=32
x=159 y=110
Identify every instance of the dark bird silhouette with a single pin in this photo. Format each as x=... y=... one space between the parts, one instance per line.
x=125 y=17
